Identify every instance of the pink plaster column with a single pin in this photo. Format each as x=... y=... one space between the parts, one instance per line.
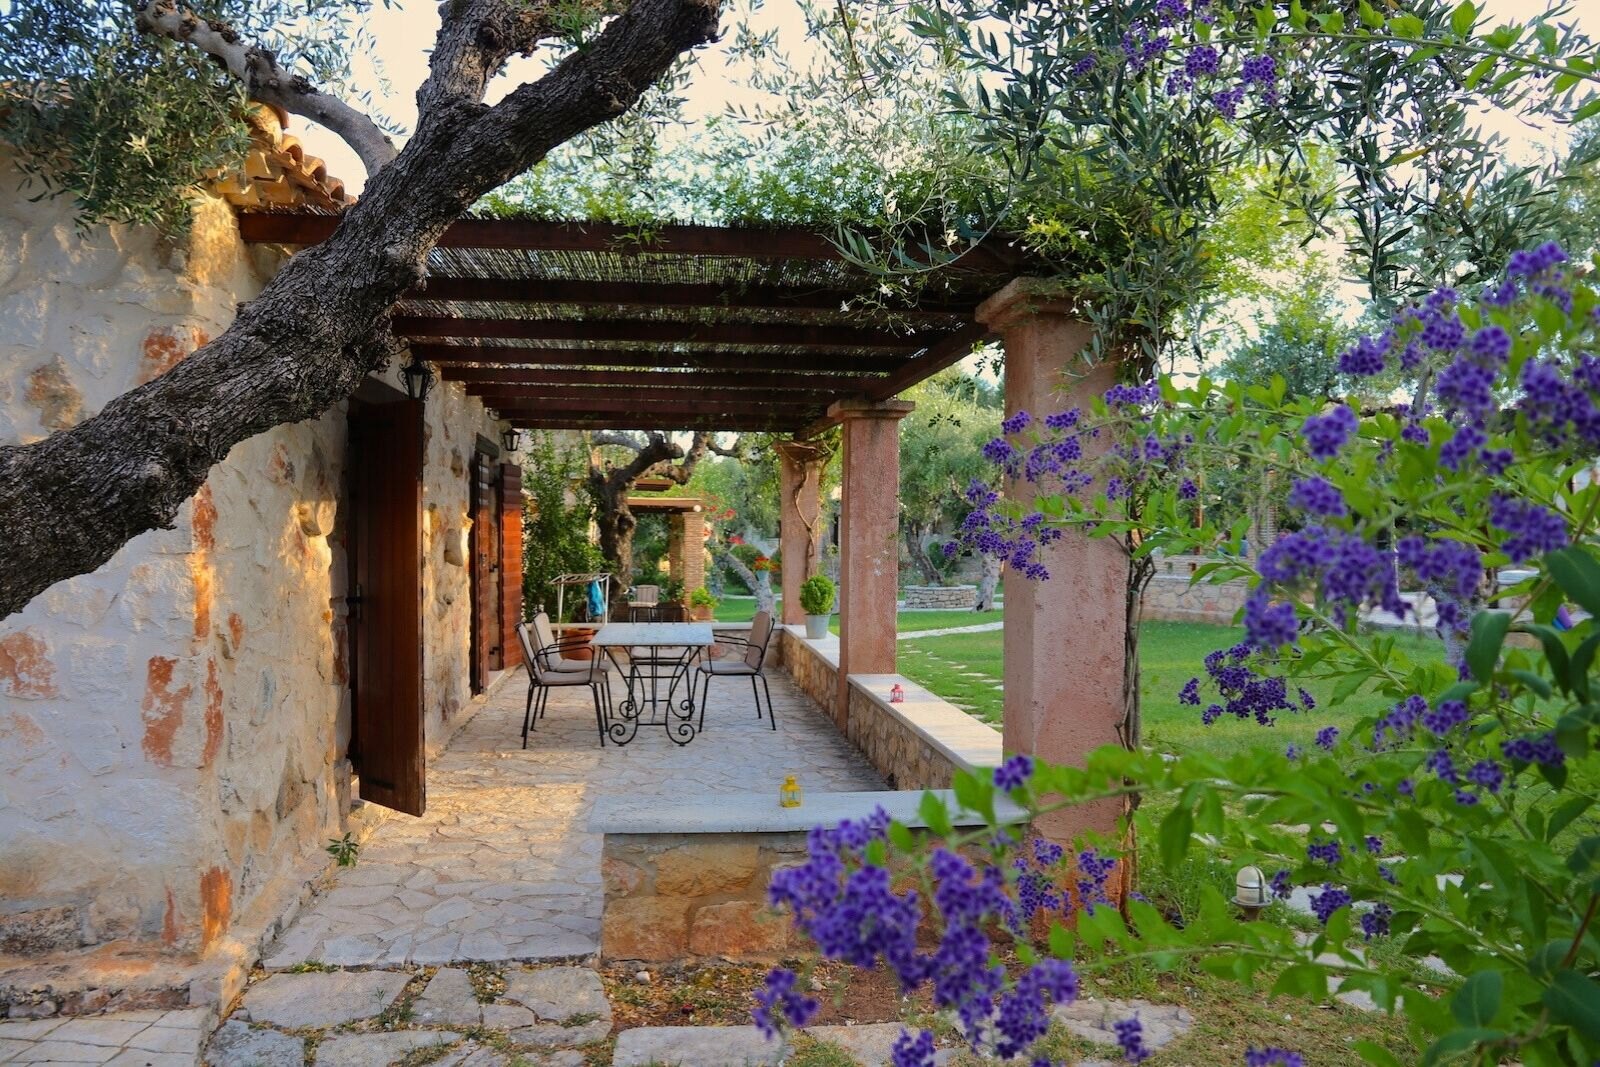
x=800 y=519
x=1064 y=637
x=869 y=539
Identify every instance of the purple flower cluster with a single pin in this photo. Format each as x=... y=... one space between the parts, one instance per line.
x=1281 y=886
x=1317 y=496
x=1330 y=900
x=1450 y=571
x=909 y=1051
x=1130 y=1035
x=1094 y=871
x=1541 y=750
x=1036 y=879
x=1445 y=718
x=1341 y=566
x=778 y=1001
x=1532 y=530
x=1327 y=737
x=1272 y=1057
x=1247 y=694
x=1375 y=923
x=1326 y=435
x=1399 y=723
x=1013 y=773
x=1327 y=852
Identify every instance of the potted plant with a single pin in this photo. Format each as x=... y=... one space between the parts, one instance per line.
x=816 y=600
x=702 y=604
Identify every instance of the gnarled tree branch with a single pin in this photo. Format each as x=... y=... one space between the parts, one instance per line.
x=258 y=71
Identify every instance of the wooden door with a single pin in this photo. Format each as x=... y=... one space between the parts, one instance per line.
x=484 y=547
x=385 y=603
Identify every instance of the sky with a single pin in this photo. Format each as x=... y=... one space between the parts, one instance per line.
x=405 y=31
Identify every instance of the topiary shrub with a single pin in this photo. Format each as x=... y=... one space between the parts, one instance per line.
x=816 y=595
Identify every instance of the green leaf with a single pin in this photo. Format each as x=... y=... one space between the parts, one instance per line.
x=1062 y=941
x=1408 y=26
x=1373 y=1052
x=1331 y=21
x=901 y=836
x=1369 y=18
x=1478 y=999
x=1463 y=18
x=1176 y=829
x=1533 y=682
x=1489 y=630
x=1585 y=854
x=1575 y=1000
x=1555 y=653
x=933 y=813
x=1562 y=817
x=1578 y=575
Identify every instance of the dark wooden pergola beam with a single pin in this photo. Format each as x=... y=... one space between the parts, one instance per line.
x=651 y=379
x=663 y=423
x=738 y=333
x=709 y=408
x=766 y=243
x=649 y=359
x=669 y=294
x=494 y=395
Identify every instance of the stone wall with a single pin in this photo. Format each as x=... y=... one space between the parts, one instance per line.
x=1169 y=595
x=945 y=597
x=172 y=726
x=678 y=896
x=814 y=666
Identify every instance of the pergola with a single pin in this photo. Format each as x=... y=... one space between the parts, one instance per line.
x=561 y=325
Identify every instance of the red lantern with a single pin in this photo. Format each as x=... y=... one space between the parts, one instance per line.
x=897 y=694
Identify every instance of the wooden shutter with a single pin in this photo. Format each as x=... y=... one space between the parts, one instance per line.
x=484 y=551
x=386 y=604
x=510 y=559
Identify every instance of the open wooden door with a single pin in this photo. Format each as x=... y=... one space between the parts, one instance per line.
x=385 y=603
x=486 y=650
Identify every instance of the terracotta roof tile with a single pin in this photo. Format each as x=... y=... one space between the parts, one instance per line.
x=276 y=172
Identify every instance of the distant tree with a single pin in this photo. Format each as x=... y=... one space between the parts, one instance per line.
x=557 y=520
x=941 y=452
x=1298 y=339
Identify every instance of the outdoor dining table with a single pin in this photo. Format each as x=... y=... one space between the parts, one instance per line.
x=673 y=646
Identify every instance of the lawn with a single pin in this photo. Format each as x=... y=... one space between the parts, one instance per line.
x=743 y=609
x=965 y=668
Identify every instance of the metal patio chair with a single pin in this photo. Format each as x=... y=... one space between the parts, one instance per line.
x=664 y=661
x=547 y=670
x=748 y=665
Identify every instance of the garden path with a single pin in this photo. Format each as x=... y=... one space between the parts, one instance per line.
x=502 y=868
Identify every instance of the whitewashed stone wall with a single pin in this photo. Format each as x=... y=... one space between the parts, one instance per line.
x=944 y=597
x=173 y=726
x=1171 y=597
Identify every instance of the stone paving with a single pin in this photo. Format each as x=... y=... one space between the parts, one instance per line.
x=501 y=868
x=122 y=1039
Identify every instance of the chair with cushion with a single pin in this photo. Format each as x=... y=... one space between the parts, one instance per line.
x=547 y=670
x=752 y=655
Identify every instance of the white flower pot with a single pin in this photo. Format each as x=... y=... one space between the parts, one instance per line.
x=817 y=627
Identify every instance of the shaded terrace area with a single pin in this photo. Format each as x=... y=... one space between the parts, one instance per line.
x=503 y=866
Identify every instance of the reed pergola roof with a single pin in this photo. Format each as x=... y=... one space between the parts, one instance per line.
x=564 y=325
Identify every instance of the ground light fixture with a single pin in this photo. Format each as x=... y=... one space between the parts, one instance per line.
x=418 y=379
x=1250 y=891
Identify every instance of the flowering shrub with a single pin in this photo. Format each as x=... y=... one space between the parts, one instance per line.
x=1457 y=825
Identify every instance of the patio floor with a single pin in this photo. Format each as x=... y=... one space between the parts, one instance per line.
x=501 y=868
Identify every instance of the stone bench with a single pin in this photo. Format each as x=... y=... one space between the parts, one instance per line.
x=688 y=878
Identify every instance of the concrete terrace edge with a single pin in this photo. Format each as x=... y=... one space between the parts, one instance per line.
x=744 y=813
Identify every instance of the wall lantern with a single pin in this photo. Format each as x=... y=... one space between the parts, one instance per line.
x=418 y=378
x=511 y=439
x=1250 y=891
x=897 y=694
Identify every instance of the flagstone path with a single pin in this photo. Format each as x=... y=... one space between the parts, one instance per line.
x=501 y=866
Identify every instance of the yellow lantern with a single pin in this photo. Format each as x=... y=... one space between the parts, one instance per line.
x=789 y=792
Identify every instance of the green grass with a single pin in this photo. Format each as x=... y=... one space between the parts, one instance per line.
x=743 y=609
x=1170 y=653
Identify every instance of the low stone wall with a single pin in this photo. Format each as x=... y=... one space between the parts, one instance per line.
x=672 y=897
x=687 y=879
x=1170 y=597
x=920 y=742
x=944 y=597
x=814 y=666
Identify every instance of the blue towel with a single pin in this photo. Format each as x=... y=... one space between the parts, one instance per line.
x=597 y=601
